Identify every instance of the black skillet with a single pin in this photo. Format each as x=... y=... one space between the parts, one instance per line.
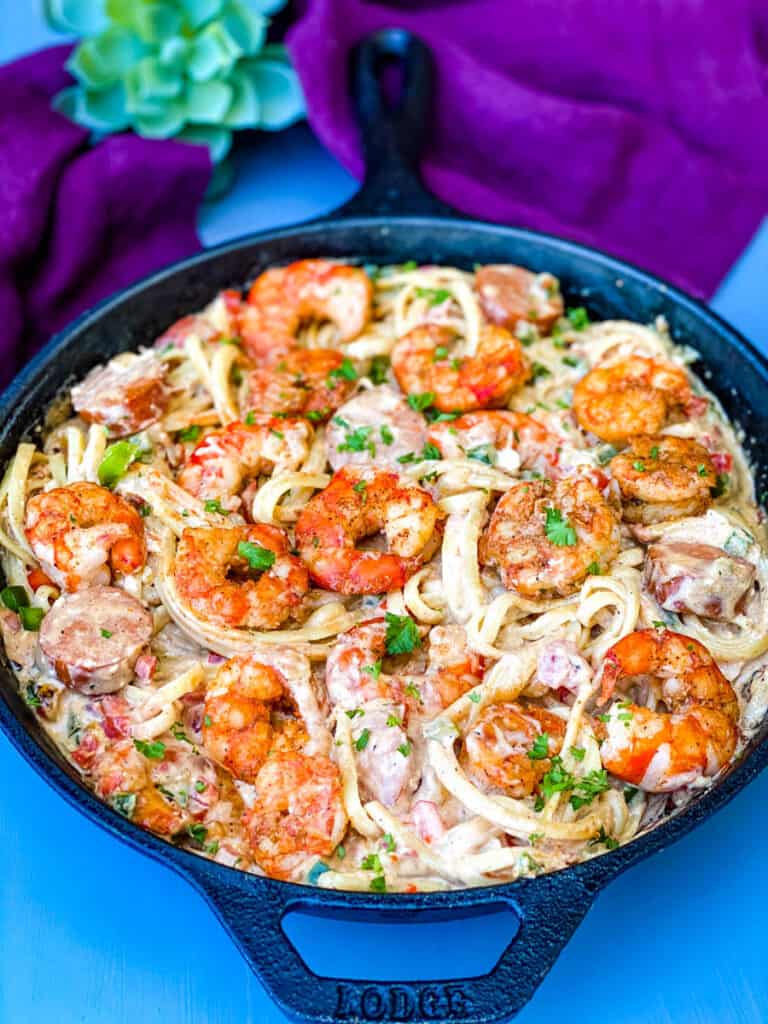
x=392 y=219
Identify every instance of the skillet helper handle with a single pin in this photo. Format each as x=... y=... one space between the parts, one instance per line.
x=549 y=908
x=392 y=132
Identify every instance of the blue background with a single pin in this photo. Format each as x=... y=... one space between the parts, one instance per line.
x=92 y=932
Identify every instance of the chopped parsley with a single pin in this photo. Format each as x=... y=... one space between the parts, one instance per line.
x=579 y=318
x=362 y=740
x=421 y=401
x=378 y=370
x=154 y=750
x=603 y=838
x=394 y=722
x=199 y=786
x=190 y=433
x=124 y=803
x=256 y=556
x=378 y=884
x=214 y=505
x=431 y=451
x=474 y=696
x=557 y=779
x=413 y=691
x=373 y=670
x=434 y=296
x=31 y=697
x=571 y=361
x=197 y=832
x=441 y=352
x=402 y=634
x=539 y=370
x=404 y=749
x=558 y=530
x=540 y=748
x=483 y=453
x=354 y=713
x=106 y=633
x=371 y=862
x=346 y=371
x=357 y=440
x=593 y=569
x=638 y=466
x=361 y=488
x=389 y=842
x=606 y=454
x=578 y=753
x=588 y=787
x=386 y=435
x=721 y=485
x=655 y=452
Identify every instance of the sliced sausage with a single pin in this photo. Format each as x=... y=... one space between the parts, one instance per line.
x=510 y=294
x=698 y=578
x=126 y=395
x=377 y=427
x=94 y=637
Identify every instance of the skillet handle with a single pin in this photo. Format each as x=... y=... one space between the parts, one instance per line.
x=392 y=133
x=549 y=908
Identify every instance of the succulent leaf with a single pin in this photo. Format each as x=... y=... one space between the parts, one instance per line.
x=188 y=69
x=82 y=17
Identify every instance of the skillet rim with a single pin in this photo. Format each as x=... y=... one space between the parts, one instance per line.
x=592 y=874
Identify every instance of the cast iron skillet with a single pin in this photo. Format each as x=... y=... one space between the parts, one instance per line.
x=392 y=219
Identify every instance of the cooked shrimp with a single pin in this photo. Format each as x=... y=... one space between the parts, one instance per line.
x=663 y=477
x=452 y=670
x=162 y=795
x=356 y=504
x=422 y=362
x=220 y=319
x=546 y=537
x=376 y=427
x=240 y=703
x=663 y=750
x=225 y=459
x=504 y=439
x=353 y=670
x=282 y=298
x=633 y=396
x=499 y=746
x=509 y=294
x=214 y=572
x=312 y=382
x=125 y=396
x=298 y=813
x=82 y=531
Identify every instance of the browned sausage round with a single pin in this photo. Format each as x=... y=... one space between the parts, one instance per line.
x=509 y=294
x=126 y=395
x=94 y=637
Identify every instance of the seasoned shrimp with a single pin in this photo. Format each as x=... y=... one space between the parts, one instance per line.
x=695 y=737
x=376 y=427
x=510 y=294
x=452 y=670
x=125 y=396
x=82 y=532
x=312 y=382
x=546 y=537
x=214 y=572
x=163 y=795
x=633 y=396
x=282 y=298
x=663 y=477
x=353 y=670
x=504 y=439
x=422 y=362
x=499 y=746
x=239 y=725
x=356 y=504
x=225 y=459
x=298 y=814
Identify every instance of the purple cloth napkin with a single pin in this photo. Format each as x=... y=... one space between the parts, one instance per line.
x=641 y=128
x=79 y=222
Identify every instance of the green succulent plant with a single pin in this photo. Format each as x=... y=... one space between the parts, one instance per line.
x=195 y=70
